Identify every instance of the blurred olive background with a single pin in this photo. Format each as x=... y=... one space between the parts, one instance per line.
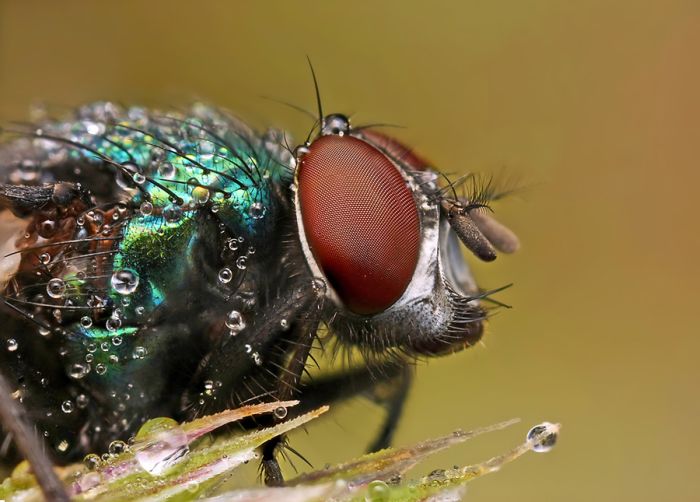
x=593 y=104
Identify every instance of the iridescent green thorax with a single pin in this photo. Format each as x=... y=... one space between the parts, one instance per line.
x=170 y=170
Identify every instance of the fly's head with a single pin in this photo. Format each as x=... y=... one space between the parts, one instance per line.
x=377 y=227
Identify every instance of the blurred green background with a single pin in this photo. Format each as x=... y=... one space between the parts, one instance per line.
x=594 y=104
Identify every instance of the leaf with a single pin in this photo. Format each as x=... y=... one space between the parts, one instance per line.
x=168 y=462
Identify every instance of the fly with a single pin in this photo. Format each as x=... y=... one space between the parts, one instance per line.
x=180 y=263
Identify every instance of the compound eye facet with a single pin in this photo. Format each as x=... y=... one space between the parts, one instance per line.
x=360 y=220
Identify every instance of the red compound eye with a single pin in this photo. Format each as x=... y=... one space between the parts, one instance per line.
x=360 y=221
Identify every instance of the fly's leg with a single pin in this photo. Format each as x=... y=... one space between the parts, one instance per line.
x=392 y=394
x=268 y=358
x=14 y=420
x=287 y=388
x=387 y=385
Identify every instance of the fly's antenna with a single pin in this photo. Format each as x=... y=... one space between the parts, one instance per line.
x=318 y=93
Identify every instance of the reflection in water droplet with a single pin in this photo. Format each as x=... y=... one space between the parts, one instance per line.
x=82 y=400
x=117 y=447
x=159 y=445
x=56 y=288
x=172 y=213
x=113 y=323
x=91 y=461
x=124 y=281
x=67 y=406
x=78 y=370
x=378 y=491
x=86 y=321
x=234 y=322
x=146 y=208
x=167 y=170
x=544 y=436
x=12 y=344
x=257 y=210
x=225 y=275
x=280 y=412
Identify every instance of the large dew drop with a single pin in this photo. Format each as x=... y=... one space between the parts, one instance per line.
x=125 y=281
x=543 y=436
x=159 y=445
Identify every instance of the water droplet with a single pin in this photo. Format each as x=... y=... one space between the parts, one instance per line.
x=242 y=262
x=200 y=195
x=44 y=258
x=140 y=310
x=117 y=447
x=78 y=370
x=139 y=353
x=125 y=281
x=125 y=175
x=319 y=285
x=256 y=210
x=159 y=445
x=206 y=147
x=172 y=213
x=232 y=244
x=47 y=228
x=544 y=436
x=280 y=412
x=117 y=341
x=92 y=461
x=138 y=178
x=257 y=359
x=82 y=400
x=234 y=322
x=378 y=491
x=100 y=369
x=67 y=406
x=225 y=275
x=146 y=208
x=167 y=170
x=86 y=321
x=12 y=344
x=56 y=288
x=113 y=324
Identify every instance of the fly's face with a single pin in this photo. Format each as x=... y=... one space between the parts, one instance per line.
x=375 y=224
